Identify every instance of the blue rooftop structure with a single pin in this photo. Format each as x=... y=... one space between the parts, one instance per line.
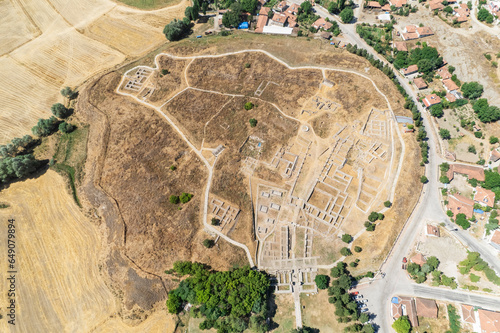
x=479 y=211
x=395 y=300
x=243 y=25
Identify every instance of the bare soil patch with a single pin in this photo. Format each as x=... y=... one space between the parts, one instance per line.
x=167 y=85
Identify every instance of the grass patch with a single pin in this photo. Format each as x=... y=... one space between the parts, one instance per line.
x=70 y=156
x=4 y=205
x=149 y=4
x=454 y=319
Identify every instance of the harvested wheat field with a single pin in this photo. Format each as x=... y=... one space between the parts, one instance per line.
x=51 y=44
x=59 y=286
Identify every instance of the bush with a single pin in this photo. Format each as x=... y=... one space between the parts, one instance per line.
x=493 y=140
x=247 y=65
x=472 y=149
x=185 y=197
x=454 y=319
x=357 y=249
x=322 y=281
x=474 y=277
x=373 y=217
x=174 y=199
x=370 y=226
x=208 y=243
x=215 y=221
x=444 y=179
x=472 y=90
x=449 y=213
x=487 y=56
x=436 y=110
x=478 y=134
x=346 y=238
x=445 y=134
x=66 y=127
x=60 y=111
x=165 y=72
x=248 y=106
x=173 y=167
x=176 y=29
x=346 y=15
x=462 y=221
x=345 y=252
x=253 y=122
x=387 y=204
x=424 y=179
x=369 y=274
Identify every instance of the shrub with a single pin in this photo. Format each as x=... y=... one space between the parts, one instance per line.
x=165 y=72
x=60 y=111
x=487 y=56
x=345 y=252
x=346 y=238
x=380 y=216
x=248 y=105
x=174 y=199
x=472 y=149
x=357 y=249
x=369 y=226
x=436 y=110
x=444 y=179
x=247 y=65
x=424 y=179
x=387 y=204
x=445 y=134
x=185 y=197
x=215 y=221
x=454 y=319
x=253 y=122
x=66 y=127
x=493 y=140
x=474 y=277
x=478 y=134
x=449 y=213
x=461 y=220
x=373 y=217
x=173 y=167
x=369 y=274
x=208 y=243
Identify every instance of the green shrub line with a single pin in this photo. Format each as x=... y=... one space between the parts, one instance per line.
x=70 y=172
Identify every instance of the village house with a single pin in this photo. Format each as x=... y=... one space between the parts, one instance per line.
x=418 y=259
x=472 y=172
x=426 y=308
x=449 y=85
x=293 y=9
x=373 y=4
x=400 y=46
x=262 y=19
x=451 y=98
x=489 y=321
x=468 y=314
x=431 y=100
x=432 y=230
x=419 y=83
x=495 y=239
x=484 y=197
x=461 y=205
x=321 y=23
x=424 y=32
x=397 y=3
x=404 y=306
x=278 y=20
x=444 y=73
x=495 y=155
x=282 y=6
x=409 y=70
x=436 y=5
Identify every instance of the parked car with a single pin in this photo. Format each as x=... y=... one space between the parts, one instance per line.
x=405 y=260
x=363 y=305
x=355 y=293
x=358 y=297
x=364 y=310
x=363 y=300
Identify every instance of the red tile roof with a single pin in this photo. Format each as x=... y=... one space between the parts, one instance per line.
x=420 y=83
x=495 y=238
x=489 y=321
x=261 y=23
x=436 y=5
x=424 y=31
x=386 y=7
x=418 y=259
x=264 y=11
x=451 y=98
x=409 y=35
x=484 y=196
x=280 y=18
x=321 y=23
x=426 y=308
x=468 y=170
x=401 y=46
x=431 y=100
x=495 y=155
x=460 y=205
x=374 y=4
x=450 y=85
x=443 y=72
x=410 y=70
x=432 y=230
x=411 y=28
x=468 y=314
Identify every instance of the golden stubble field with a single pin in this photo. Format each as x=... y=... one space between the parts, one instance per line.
x=46 y=45
x=59 y=287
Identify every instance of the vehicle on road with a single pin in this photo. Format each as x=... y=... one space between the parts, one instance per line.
x=405 y=260
x=355 y=293
x=364 y=310
x=363 y=305
x=358 y=297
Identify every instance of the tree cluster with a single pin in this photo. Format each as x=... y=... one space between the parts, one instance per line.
x=484 y=15
x=475 y=262
x=472 y=90
x=230 y=301
x=377 y=36
x=426 y=58
x=17 y=146
x=346 y=308
x=485 y=112
x=177 y=29
x=46 y=127
x=17 y=167
x=419 y=273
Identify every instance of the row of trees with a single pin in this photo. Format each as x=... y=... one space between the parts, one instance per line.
x=373 y=36
x=230 y=301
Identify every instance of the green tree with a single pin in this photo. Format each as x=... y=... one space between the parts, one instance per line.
x=449 y=213
x=176 y=29
x=215 y=221
x=493 y=140
x=248 y=106
x=60 y=111
x=185 y=197
x=373 y=217
x=484 y=15
x=436 y=110
x=69 y=93
x=472 y=90
x=208 y=243
x=45 y=127
x=174 y=199
x=445 y=134
x=66 y=127
x=345 y=251
x=462 y=221
x=346 y=238
x=253 y=122
x=424 y=179
x=232 y=18
x=402 y=325
x=322 y=281
x=174 y=303
x=387 y=204
x=364 y=318
x=191 y=13
x=249 y=5
x=444 y=179
x=357 y=249
x=346 y=15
